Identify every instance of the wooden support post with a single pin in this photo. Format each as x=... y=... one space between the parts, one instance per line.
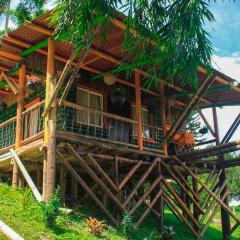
x=19 y=121
x=63 y=183
x=21 y=181
x=39 y=178
x=50 y=127
x=161 y=200
x=226 y=227
x=27 y=177
x=74 y=191
x=163 y=115
x=138 y=108
x=195 y=207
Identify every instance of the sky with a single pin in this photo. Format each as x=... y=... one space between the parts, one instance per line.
x=225 y=37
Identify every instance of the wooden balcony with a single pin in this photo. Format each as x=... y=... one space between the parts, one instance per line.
x=77 y=120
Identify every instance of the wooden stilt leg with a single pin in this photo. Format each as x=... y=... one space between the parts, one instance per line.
x=63 y=182
x=195 y=209
x=50 y=127
x=39 y=178
x=226 y=226
x=21 y=181
x=74 y=191
x=20 y=109
x=116 y=162
x=160 y=201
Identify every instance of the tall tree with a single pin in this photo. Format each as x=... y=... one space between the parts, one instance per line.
x=4 y=9
x=27 y=10
x=166 y=35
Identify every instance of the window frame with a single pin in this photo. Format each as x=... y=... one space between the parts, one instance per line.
x=88 y=102
x=143 y=108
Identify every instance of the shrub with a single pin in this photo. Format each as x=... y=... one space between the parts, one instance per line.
x=95 y=227
x=51 y=209
x=128 y=226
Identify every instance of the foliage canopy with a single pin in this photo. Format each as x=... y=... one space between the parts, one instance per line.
x=168 y=35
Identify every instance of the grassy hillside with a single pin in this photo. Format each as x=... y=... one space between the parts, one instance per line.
x=26 y=216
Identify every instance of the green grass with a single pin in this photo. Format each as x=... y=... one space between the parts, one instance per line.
x=27 y=218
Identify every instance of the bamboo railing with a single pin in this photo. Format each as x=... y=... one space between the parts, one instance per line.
x=104 y=126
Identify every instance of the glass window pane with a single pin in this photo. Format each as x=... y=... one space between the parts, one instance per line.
x=95 y=101
x=82 y=99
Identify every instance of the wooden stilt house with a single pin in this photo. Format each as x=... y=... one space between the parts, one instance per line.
x=103 y=139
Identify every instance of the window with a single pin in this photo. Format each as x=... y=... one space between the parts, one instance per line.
x=145 y=122
x=31 y=120
x=91 y=100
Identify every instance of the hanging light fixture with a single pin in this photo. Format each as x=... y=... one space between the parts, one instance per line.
x=109 y=79
x=118 y=96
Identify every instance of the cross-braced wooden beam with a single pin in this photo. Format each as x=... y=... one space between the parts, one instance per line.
x=193 y=102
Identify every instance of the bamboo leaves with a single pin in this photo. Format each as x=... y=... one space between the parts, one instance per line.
x=170 y=42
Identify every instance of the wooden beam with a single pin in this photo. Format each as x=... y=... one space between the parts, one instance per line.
x=193 y=102
x=38 y=28
x=206 y=188
x=4 y=92
x=129 y=175
x=10 y=83
x=221 y=80
x=163 y=115
x=85 y=186
x=27 y=177
x=206 y=122
x=11 y=56
x=226 y=224
x=145 y=195
x=147 y=211
x=83 y=66
x=138 y=110
x=50 y=126
x=54 y=94
x=92 y=174
x=19 y=120
x=105 y=56
x=102 y=172
x=140 y=182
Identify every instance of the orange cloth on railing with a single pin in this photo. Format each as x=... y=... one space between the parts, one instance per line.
x=182 y=138
x=186 y=138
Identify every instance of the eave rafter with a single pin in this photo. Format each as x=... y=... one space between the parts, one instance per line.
x=83 y=66
x=10 y=83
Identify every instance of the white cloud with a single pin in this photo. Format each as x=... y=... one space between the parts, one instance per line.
x=229 y=65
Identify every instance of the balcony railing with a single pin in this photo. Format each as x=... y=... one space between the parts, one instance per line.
x=7 y=133
x=32 y=126
x=77 y=119
x=105 y=127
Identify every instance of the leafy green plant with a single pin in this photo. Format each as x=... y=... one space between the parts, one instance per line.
x=166 y=36
x=128 y=226
x=51 y=209
x=167 y=233
x=26 y=196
